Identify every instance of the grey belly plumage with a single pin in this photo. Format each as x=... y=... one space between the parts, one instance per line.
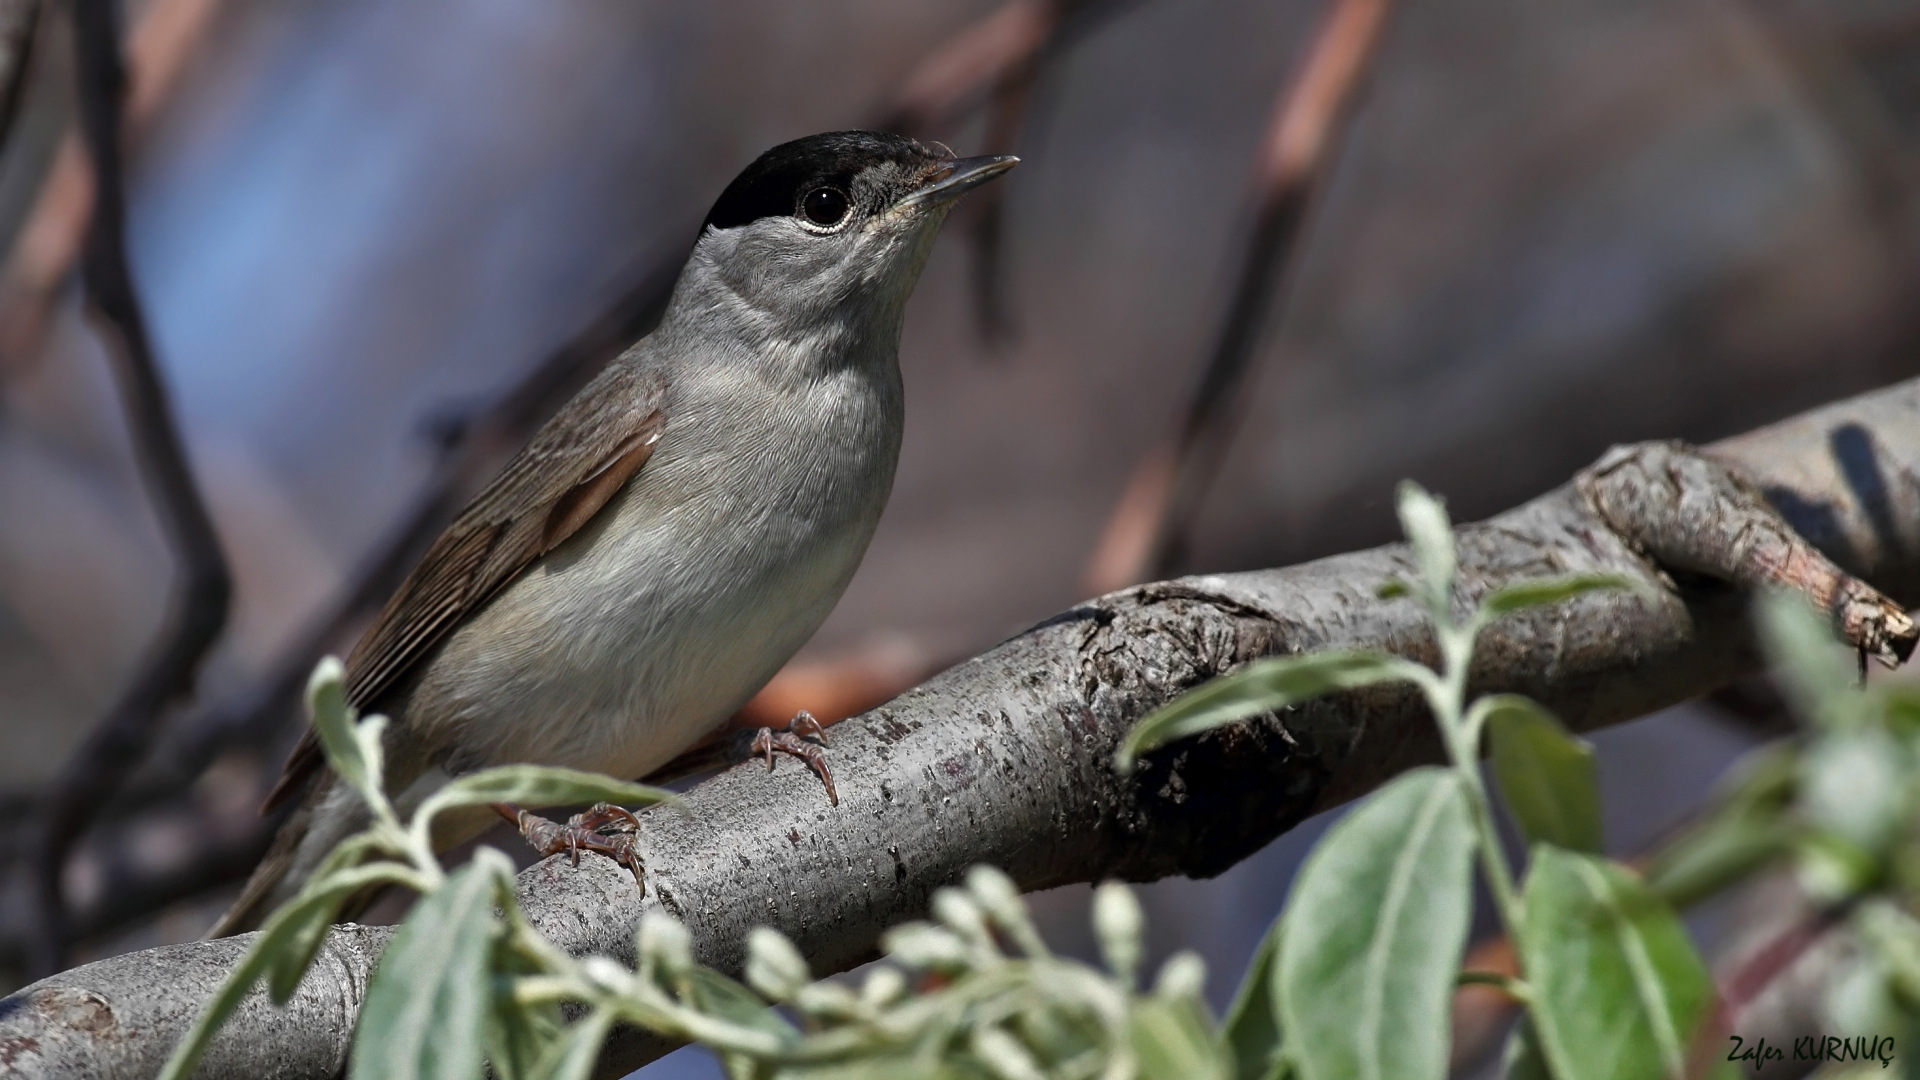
x=679 y=600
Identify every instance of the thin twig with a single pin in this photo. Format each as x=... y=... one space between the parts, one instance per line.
x=1753 y=976
x=19 y=25
x=948 y=79
x=1147 y=534
x=51 y=237
x=1005 y=55
x=1010 y=108
x=1006 y=114
x=200 y=611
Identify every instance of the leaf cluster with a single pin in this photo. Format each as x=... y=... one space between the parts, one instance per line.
x=1356 y=977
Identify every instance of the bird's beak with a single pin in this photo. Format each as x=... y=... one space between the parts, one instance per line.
x=956 y=178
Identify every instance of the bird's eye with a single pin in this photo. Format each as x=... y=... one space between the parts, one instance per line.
x=824 y=206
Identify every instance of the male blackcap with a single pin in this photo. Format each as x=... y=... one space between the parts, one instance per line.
x=669 y=539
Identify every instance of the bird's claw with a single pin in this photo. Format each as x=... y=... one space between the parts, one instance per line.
x=794 y=741
x=610 y=830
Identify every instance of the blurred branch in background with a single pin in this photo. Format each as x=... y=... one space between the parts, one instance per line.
x=204 y=587
x=1145 y=537
x=1006 y=53
x=51 y=239
x=19 y=23
x=1832 y=64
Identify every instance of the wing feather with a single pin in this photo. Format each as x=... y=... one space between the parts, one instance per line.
x=576 y=463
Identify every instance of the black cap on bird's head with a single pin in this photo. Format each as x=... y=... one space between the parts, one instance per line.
x=825 y=181
x=824 y=237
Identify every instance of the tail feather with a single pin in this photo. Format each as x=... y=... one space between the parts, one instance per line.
x=328 y=814
x=252 y=907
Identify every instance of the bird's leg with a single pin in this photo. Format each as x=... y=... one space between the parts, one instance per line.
x=611 y=830
x=794 y=741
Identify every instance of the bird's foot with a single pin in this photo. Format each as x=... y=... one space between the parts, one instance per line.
x=610 y=830
x=794 y=741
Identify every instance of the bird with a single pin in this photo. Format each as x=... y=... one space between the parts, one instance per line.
x=679 y=528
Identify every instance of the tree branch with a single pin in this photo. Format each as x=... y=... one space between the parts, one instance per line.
x=1005 y=758
x=200 y=610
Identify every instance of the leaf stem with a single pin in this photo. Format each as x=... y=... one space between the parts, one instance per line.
x=1517 y=989
x=1447 y=697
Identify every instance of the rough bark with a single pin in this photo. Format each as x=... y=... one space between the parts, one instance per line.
x=1004 y=758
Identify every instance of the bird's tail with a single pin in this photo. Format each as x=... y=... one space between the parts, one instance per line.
x=328 y=814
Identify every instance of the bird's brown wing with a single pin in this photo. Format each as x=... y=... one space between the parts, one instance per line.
x=574 y=464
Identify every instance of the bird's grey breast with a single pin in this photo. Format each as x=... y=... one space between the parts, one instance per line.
x=689 y=589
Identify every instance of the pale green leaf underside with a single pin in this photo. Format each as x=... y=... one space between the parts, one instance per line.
x=1546 y=775
x=1257 y=688
x=1618 y=988
x=426 y=1012
x=1373 y=933
x=1252 y=1025
x=536 y=786
x=1527 y=594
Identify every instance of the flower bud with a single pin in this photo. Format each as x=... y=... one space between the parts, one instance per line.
x=1183 y=976
x=883 y=987
x=1119 y=924
x=665 y=942
x=923 y=946
x=774 y=966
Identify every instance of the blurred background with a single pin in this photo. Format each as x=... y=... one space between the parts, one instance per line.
x=376 y=243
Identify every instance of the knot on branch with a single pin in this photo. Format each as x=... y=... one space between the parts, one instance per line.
x=1198 y=807
x=1689 y=512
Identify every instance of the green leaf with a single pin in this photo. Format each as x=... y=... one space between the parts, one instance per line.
x=775 y=968
x=1617 y=988
x=1544 y=591
x=427 y=1009
x=535 y=786
x=1893 y=938
x=300 y=930
x=1717 y=853
x=1120 y=927
x=1172 y=1041
x=1252 y=1027
x=1373 y=933
x=1765 y=779
x=281 y=952
x=1002 y=1054
x=1546 y=775
x=1522 y=1059
x=299 y=927
x=1424 y=519
x=253 y=964
x=880 y=1067
x=717 y=995
x=1259 y=687
x=1832 y=868
x=333 y=722
x=574 y=1054
x=522 y=1035
x=1811 y=665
